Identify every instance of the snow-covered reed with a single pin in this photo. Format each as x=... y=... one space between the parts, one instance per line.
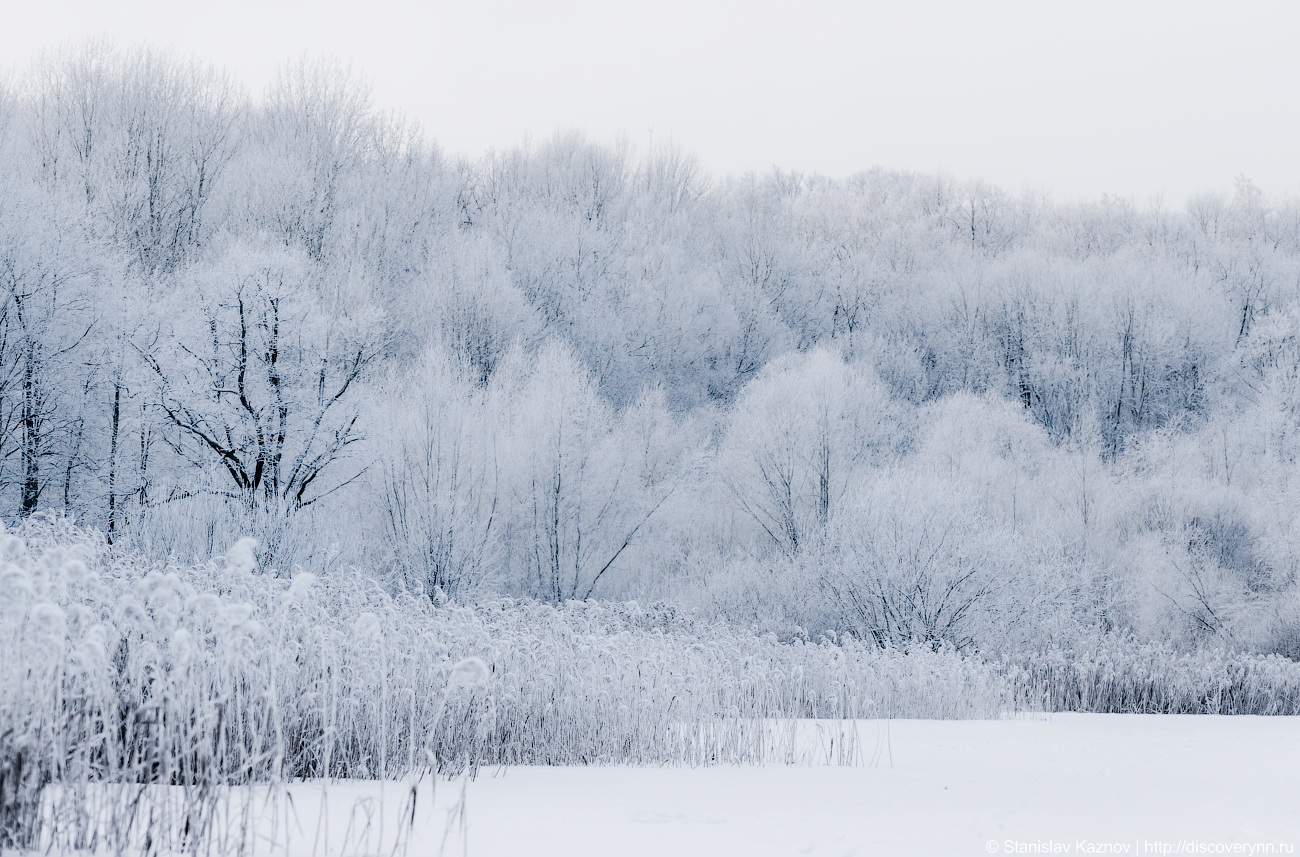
x=211 y=677
x=140 y=702
x=1123 y=675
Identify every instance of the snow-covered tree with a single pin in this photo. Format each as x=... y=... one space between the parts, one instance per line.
x=256 y=368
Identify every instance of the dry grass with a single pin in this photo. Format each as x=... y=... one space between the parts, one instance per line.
x=213 y=677
x=1122 y=675
x=138 y=700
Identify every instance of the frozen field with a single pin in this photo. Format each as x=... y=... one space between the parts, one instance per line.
x=1134 y=783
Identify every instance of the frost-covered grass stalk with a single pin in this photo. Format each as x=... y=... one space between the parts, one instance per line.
x=140 y=703
x=1122 y=675
x=205 y=678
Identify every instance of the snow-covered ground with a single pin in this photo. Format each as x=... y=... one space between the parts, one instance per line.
x=1142 y=784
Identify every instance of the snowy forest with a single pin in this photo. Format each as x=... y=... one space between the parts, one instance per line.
x=907 y=409
x=326 y=455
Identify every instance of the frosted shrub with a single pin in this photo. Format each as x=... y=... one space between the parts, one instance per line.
x=915 y=567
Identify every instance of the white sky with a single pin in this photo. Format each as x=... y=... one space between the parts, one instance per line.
x=1083 y=98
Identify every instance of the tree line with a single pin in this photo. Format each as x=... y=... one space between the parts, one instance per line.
x=904 y=407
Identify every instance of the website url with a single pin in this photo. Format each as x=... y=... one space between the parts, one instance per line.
x=1141 y=846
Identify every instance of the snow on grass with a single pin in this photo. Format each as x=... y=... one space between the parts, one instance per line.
x=145 y=708
x=119 y=671
x=942 y=788
x=1120 y=675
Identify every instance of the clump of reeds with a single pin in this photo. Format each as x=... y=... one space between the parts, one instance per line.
x=138 y=699
x=1124 y=675
x=202 y=679
x=22 y=784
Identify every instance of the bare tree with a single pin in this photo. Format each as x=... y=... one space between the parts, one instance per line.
x=442 y=503
x=43 y=320
x=316 y=129
x=8 y=108
x=914 y=566
x=262 y=387
x=140 y=138
x=801 y=434
x=579 y=497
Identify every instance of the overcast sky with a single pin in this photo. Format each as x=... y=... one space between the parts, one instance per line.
x=1080 y=98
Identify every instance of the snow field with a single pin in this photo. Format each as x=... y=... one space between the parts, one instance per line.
x=953 y=787
x=942 y=788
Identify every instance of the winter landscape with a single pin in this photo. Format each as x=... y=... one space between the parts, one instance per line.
x=573 y=497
